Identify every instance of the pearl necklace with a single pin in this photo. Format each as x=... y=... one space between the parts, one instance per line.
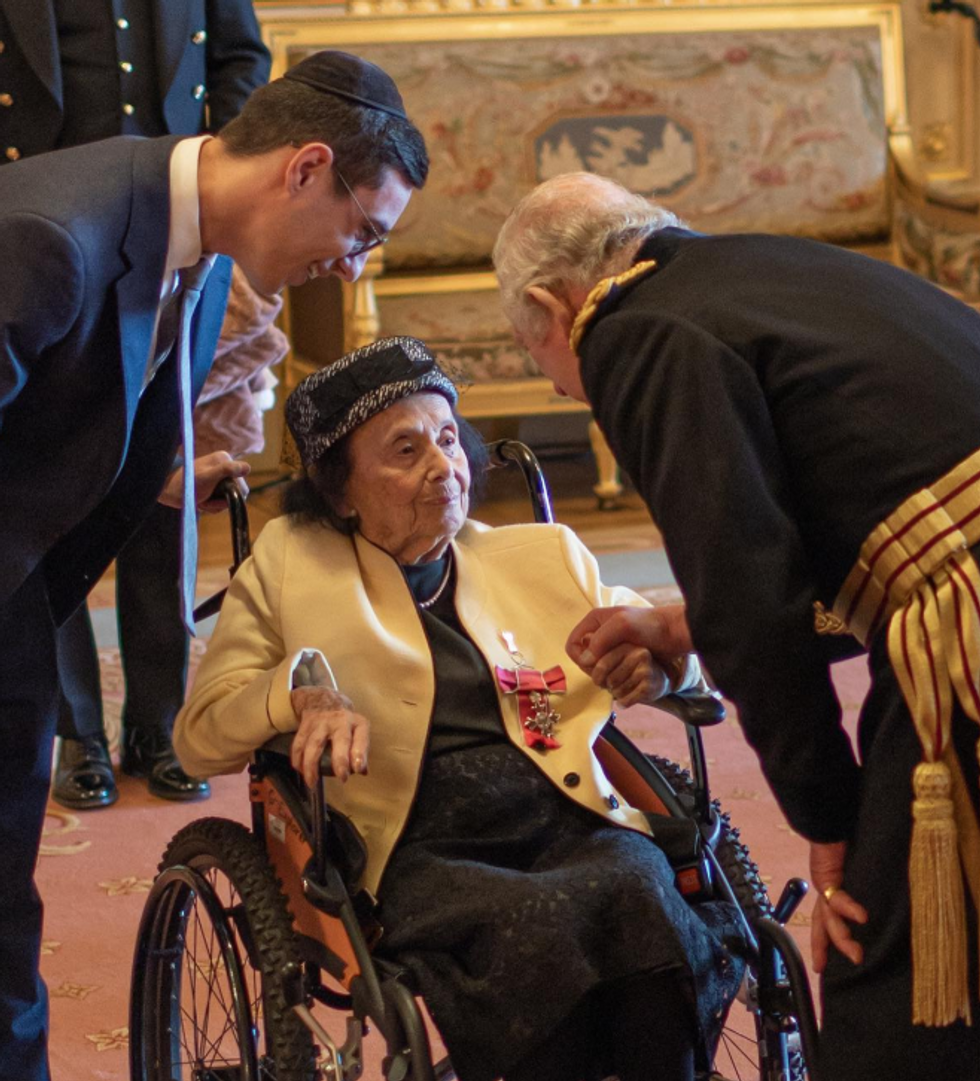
x=439 y=589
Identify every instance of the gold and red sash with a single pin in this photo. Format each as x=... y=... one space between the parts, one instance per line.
x=915 y=573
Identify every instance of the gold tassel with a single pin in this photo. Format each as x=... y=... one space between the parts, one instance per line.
x=940 y=993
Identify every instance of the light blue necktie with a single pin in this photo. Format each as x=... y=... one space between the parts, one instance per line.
x=191 y=283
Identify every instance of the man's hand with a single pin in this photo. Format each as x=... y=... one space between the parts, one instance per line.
x=327 y=716
x=630 y=675
x=208 y=471
x=662 y=632
x=834 y=906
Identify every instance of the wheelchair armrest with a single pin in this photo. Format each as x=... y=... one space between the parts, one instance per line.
x=283 y=745
x=700 y=706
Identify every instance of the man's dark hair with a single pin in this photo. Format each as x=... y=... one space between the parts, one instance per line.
x=315 y=497
x=364 y=141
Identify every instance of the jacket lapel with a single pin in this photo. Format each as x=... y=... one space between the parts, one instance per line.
x=32 y=26
x=145 y=253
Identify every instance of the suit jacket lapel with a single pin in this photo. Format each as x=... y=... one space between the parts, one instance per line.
x=32 y=25
x=145 y=253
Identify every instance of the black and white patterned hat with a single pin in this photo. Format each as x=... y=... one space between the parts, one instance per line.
x=334 y=401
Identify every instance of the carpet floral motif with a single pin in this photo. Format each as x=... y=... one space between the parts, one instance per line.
x=68 y=824
x=114 y=1039
x=73 y=990
x=123 y=887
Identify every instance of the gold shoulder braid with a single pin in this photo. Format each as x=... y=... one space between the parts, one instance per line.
x=600 y=292
x=916 y=577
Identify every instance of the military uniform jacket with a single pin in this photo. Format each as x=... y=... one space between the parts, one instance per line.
x=308 y=587
x=208 y=56
x=774 y=399
x=83 y=455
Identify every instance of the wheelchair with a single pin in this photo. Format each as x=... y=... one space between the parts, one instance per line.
x=247 y=935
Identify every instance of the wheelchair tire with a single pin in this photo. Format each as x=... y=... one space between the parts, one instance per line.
x=749 y=1059
x=208 y=997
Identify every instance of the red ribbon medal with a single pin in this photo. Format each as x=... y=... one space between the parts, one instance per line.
x=534 y=690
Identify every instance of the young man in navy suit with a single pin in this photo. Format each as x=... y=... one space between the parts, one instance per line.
x=74 y=74
x=313 y=174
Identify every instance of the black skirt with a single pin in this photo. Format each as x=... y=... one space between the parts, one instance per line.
x=510 y=903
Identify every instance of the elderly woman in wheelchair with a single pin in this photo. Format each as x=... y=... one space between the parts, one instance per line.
x=529 y=900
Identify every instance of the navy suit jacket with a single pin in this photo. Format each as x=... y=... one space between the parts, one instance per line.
x=83 y=455
x=230 y=61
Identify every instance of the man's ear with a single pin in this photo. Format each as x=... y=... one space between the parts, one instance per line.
x=311 y=162
x=560 y=315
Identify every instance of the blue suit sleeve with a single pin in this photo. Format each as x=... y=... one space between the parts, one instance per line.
x=41 y=289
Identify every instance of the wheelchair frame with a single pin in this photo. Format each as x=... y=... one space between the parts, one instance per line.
x=329 y=928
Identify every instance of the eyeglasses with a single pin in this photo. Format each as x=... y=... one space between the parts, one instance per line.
x=361 y=246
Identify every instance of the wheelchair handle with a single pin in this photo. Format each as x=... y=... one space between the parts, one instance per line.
x=504 y=451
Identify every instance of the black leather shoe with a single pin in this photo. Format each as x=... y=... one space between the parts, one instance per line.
x=151 y=755
x=83 y=779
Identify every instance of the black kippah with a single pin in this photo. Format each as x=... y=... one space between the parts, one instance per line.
x=350 y=77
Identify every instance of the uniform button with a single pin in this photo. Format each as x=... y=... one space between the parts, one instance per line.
x=129 y=109
x=13 y=154
x=198 y=92
x=126 y=66
x=199 y=37
x=612 y=803
x=123 y=24
x=571 y=780
x=6 y=100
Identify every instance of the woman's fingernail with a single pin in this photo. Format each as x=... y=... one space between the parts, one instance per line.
x=586 y=657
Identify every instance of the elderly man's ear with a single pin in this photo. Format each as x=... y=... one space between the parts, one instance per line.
x=560 y=312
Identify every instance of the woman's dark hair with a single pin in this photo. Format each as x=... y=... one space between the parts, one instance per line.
x=316 y=497
x=364 y=141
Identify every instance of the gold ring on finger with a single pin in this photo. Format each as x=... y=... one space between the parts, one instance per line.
x=828 y=892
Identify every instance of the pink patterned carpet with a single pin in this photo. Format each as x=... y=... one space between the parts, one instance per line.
x=96 y=868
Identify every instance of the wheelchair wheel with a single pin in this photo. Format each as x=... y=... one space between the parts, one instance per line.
x=207 y=997
x=753 y=1047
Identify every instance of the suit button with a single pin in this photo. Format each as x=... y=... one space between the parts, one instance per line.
x=13 y=154
x=123 y=24
x=571 y=780
x=6 y=100
x=199 y=37
x=198 y=92
x=128 y=108
x=125 y=66
x=612 y=803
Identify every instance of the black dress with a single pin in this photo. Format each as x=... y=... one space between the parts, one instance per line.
x=510 y=903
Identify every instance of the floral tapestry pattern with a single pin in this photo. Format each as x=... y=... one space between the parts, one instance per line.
x=772 y=130
x=467 y=331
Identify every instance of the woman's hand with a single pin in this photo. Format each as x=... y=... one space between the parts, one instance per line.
x=327 y=716
x=834 y=906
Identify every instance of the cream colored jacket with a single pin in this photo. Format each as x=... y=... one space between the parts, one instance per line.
x=307 y=586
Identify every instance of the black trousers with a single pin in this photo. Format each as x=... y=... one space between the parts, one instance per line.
x=867 y=1020
x=28 y=698
x=153 y=641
